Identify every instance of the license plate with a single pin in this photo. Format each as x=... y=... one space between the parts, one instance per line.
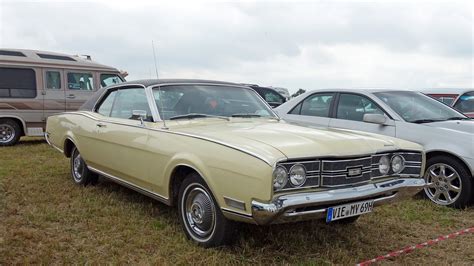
x=349 y=210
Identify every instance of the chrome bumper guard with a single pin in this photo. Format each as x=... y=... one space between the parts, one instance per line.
x=313 y=205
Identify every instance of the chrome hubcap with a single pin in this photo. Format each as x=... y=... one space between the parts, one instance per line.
x=77 y=167
x=199 y=212
x=7 y=133
x=443 y=184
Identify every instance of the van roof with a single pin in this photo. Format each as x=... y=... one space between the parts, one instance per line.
x=51 y=59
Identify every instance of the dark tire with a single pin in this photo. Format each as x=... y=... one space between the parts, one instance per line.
x=349 y=220
x=10 y=132
x=200 y=215
x=81 y=175
x=449 y=182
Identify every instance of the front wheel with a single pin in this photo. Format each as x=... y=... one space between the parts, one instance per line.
x=200 y=216
x=81 y=175
x=449 y=182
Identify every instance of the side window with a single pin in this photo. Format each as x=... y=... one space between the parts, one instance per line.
x=109 y=79
x=129 y=100
x=106 y=106
x=80 y=81
x=465 y=103
x=354 y=107
x=53 y=80
x=273 y=97
x=317 y=105
x=17 y=83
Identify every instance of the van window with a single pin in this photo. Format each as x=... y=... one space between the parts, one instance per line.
x=53 y=80
x=17 y=83
x=80 y=81
x=109 y=79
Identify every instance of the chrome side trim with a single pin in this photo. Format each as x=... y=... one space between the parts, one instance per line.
x=131 y=186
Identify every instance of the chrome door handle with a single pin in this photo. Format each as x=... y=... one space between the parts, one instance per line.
x=101 y=125
x=71 y=96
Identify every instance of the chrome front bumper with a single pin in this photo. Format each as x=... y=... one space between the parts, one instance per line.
x=313 y=205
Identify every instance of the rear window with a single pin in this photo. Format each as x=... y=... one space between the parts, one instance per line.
x=17 y=83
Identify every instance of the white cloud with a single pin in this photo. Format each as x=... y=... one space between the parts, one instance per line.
x=285 y=43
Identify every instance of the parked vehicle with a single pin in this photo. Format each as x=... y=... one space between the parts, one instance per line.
x=283 y=91
x=446 y=134
x=219 y=152
x=271 y=96
x=37 y=84
x=461 y=99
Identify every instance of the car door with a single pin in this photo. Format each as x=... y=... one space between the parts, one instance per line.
x=53 y=92
x=80 y=87
x=121 y=140
x=314 y=110
x=350 y=109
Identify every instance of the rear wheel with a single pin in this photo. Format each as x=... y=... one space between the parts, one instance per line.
x=449 y=182
x=200 y=216
x=81 y=175
x=10 y=132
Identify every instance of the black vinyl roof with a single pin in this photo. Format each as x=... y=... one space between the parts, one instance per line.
x=151 y=82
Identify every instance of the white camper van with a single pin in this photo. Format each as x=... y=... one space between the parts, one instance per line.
x=37 y=84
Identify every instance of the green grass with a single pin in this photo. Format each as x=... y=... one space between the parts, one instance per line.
x=45 y=218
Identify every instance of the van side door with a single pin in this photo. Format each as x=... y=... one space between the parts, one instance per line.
x=80 y=86
x=53 y=92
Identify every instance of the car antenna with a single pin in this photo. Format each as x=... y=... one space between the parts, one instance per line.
x=159 y=87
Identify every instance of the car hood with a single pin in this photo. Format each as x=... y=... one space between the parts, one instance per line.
x=275 y=140
x=464 y=126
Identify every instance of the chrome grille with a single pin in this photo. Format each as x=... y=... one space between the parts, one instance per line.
x=333 y=172
x=345 y=172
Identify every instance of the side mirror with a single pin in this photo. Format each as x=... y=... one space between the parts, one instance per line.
x=141 y=115
x=375 y=119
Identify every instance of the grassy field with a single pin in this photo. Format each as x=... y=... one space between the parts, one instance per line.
x=45 y=218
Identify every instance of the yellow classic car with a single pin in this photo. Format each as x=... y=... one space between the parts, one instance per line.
x=218 y=152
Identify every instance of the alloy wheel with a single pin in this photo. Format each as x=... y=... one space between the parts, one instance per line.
x=443 y=184
x=7 y=133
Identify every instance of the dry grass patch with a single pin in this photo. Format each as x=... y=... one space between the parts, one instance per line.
x=45 y=218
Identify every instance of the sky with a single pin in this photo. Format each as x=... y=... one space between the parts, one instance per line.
x=292 y=44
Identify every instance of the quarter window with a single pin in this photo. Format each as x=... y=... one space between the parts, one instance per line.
x=109 y=79
x=80 y=81
x=354 y=107
x=315 y=105
x=129 y=100
x=17 y=83
x=53 y=80
x=106 y=106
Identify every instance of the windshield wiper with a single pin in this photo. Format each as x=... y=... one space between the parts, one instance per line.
x=246 y=115
x=196 y=115
x=422 y=121
x=458 y=118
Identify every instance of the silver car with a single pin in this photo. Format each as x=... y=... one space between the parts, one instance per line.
x=446 y=134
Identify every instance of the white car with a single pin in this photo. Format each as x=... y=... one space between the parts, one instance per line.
x=446 y=134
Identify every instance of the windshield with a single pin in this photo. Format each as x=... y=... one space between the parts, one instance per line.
x=416 y=107
x=193 y=101
x=465 y=103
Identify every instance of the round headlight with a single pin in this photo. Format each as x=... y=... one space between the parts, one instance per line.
x=398 y=163
x=384 y=165
x=297 y=175
x=280 y=178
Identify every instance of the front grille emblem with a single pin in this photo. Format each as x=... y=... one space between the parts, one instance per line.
x=351 y=172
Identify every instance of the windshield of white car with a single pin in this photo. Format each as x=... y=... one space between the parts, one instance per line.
x=418 y=108
x=465 y=103
x=203 y=101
